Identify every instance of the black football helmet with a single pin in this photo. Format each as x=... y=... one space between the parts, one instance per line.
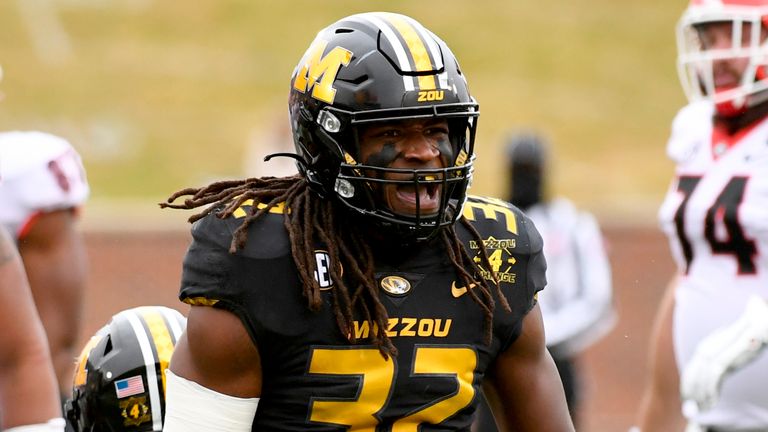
x=527 y=164
x=375 y=67
x=119 y=382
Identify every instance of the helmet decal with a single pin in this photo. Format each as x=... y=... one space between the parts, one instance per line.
x=315 y=64
x=129 y=386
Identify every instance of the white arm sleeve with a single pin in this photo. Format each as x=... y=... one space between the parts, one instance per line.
x=53 y=425
x=190 y=407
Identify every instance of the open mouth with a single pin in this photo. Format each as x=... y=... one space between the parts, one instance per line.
x=409 y=199
x=725 y=82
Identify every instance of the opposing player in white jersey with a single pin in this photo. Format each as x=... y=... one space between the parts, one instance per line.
x=712 y=325
x=578 y=305
x=43 y=185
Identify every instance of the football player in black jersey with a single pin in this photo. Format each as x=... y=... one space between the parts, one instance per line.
x=368 y=293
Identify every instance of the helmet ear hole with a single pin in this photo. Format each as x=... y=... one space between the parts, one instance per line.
x=108 y=345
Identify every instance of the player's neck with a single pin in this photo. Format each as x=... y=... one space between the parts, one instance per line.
x=732 y=125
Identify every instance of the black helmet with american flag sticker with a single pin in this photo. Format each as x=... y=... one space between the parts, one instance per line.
x=119 y=382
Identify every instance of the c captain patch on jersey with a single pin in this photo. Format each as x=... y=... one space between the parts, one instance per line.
x=323 y=269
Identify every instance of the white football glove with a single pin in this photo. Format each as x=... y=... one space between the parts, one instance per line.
x=725 y=350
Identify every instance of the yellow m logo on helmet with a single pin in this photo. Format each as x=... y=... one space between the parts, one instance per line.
x=317 y=72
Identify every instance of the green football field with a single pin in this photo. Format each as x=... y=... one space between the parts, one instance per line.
x=160 y=95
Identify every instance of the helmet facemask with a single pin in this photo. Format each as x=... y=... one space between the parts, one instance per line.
x=360 y=185
x=697 y=64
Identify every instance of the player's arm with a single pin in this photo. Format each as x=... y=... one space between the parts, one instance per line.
x=525 y=380
x=215 y=378
x=660 y=407
x=28 y=390
x=55 y=260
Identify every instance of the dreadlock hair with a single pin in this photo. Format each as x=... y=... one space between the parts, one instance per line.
x=308 y=218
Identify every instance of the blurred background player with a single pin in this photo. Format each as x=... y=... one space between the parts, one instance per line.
x=577 y=304
x=44 y=184
x=28 y=390
x=119 y=382
x=712 y=324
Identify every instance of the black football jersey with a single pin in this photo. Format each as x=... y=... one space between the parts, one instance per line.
x=314 y=379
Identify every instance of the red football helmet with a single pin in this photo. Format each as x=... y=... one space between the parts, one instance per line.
x=696 y=62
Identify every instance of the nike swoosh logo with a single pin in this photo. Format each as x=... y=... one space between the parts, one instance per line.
x=460 y=291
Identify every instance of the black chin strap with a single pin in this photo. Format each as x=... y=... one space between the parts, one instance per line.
x=288 y=155
x=294 y=156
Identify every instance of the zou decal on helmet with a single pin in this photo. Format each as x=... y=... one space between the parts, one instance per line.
x=378 y=67
x=700 y=55
x=119 y=382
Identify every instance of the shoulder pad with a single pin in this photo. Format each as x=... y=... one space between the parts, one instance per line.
x=266 y=238
x=498 y=219
x=492 y=213
x=691 y=128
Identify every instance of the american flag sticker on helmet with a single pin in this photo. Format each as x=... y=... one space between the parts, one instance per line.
x=129 y=386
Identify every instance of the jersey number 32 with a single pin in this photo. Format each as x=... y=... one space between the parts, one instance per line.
x=377 y=376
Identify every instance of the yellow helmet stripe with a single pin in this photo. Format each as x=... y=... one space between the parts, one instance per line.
x=391 y=37
x=434 y=50
x=421 y=59
x=172 y=318
x=161 y=337
x=149 y=363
